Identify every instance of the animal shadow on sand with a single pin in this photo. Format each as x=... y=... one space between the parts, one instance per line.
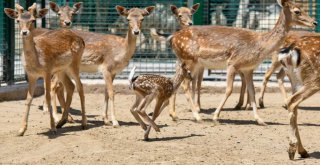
x=172 y=138
x=309 y=108
x=71 y=110
x=313 y=155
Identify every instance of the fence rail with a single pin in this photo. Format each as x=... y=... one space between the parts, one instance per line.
x=150 y=56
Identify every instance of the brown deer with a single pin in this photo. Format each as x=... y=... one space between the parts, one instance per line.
x=241 y=50
x=293 y=36
x=110 y=54
x=66 y=14
x=55 y=52
x=150 y=87
x=184 y=17
x=304 y=59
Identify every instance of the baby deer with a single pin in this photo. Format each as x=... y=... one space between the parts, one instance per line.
x=149 y=87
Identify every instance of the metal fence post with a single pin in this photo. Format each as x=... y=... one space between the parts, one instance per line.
x=318 y=14
x=8 y=58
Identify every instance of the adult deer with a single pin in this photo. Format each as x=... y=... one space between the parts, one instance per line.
x=184 y=17
x=55 y=52
x=293 y=36
x=110 y=54
x=304 y=59
x=241 y=50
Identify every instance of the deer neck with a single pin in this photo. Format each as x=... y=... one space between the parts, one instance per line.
x=273 y=39
x=177 y=80
x=130 y=42
x=30 y=54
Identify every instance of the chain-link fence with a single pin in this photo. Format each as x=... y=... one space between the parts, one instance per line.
x=150 y=56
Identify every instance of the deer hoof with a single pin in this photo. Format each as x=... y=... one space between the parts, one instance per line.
x=70 y=119
x=61 y=123
x=21 y=132
x=84 y=127
x=216 y=122
x=292 y=150
x=304 y=154
x=261 y=104
x=237 y=107
x=261 y=122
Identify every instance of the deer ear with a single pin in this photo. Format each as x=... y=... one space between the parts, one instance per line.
x=148 y=10
x=195 y=7
x=76 y=7
x=54 y=7
x=11 y=13
x=174 y=9
x=122 y=10
x=42 y=13
x=282 y=2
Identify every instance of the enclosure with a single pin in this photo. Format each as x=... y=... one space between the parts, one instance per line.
x=151 y=56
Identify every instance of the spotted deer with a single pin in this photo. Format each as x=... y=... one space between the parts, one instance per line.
x=149 y=87
x=240 y=50
x=66 y=14
x=293 y=36
x=303 y=58
x=54 y=52
x=110 y=54
x=183 y=16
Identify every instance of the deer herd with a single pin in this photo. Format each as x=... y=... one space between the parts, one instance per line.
x=60 y=55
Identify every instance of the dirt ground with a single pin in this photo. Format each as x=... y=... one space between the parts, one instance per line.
x=238 y=140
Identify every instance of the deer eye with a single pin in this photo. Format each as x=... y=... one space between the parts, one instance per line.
x=180 y=16
x=33 y=21
x=18 y=21
x=297 y=12
x=142 y=19
x=128 y=20
x=59 y=14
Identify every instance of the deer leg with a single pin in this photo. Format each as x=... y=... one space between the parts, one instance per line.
x=67 y=83
x=47 y=80
x=108 y=77
x=157 y=110
x=45 y=105
x=142 y=110
x=248 y=104
x=135 y=114
x=194 y=103
x=199 y=82
x=61 y=98
x=172 y=110
x=275 y=65
x=230 y=78
x=54 y=100
x=74 y=73
x=31 y=88
x=295 y=140
x=251 y=93
x=280 y=77
x=242 y=92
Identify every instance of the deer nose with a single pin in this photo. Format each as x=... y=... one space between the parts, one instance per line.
x=68 y=23
x=136 y=32
x=315 y=23
x=190 y=23
x=24 y=32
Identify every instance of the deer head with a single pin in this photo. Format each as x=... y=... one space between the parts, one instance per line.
x=135 y=17
x=26 y=19
x=65 y=13
x=182 y=70
x=184 y=14
x=296 y=15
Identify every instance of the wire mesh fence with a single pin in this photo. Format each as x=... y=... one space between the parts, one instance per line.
x=150 y=56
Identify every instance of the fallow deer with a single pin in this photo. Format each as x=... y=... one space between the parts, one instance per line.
x=55 y=52
x=150 y=87
x=184 y=17
x=293 y=36
x=241 y=50
x=110 y=54
x=304 y=60
x=66 y=14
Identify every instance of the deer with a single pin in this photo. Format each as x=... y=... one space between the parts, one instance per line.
x=66 y=14
x=150 y=87
x=56 y=52
x=276 y=65
x=110 y=54
x=240 y=50
x=184 y=17
x=302 y=58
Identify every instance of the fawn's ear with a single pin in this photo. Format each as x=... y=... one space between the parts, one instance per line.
x=76 y=7
x=148 y=10
x=282 y=2
x=195 y=7
x=11 y=13
x=54 y=7
x=42 y=13
x=174 y=9
x=122 y=10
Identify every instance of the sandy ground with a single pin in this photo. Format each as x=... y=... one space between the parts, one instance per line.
x=238 y=140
